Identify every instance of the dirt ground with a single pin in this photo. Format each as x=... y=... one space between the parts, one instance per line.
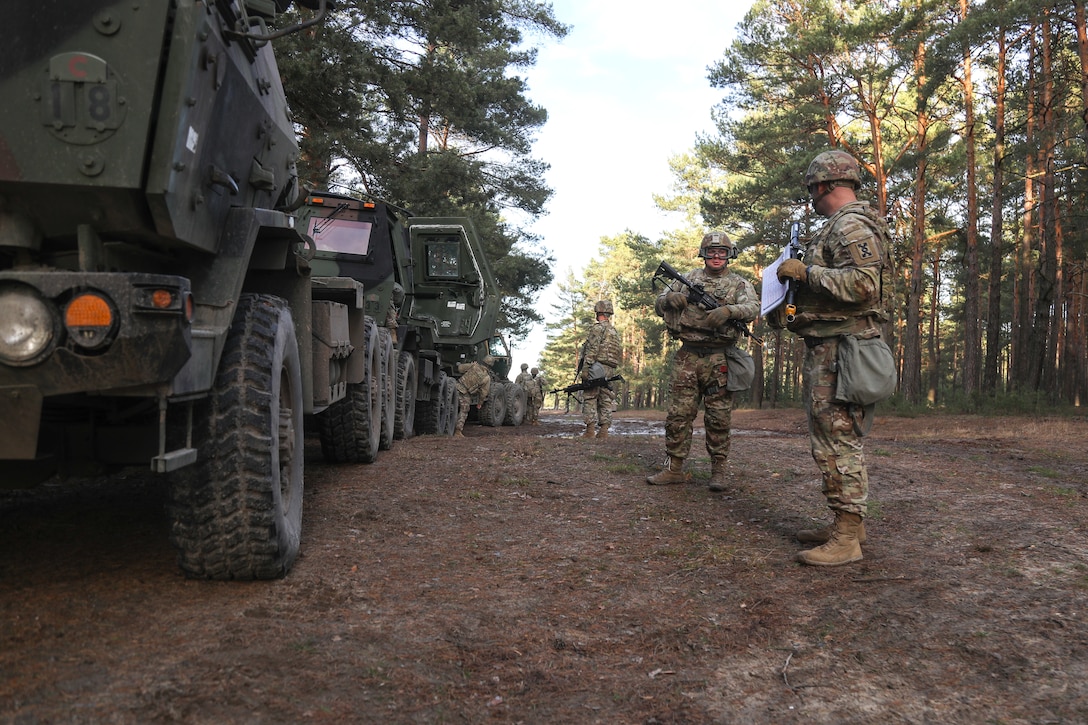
x=524 y=575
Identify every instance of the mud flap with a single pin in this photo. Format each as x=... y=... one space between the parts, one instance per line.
x=22 y=406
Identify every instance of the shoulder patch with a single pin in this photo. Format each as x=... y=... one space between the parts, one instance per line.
x=863 y=244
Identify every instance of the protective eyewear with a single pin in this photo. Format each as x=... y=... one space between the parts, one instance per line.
x=718 y=253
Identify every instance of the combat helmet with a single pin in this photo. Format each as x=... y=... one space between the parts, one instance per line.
x=534 y=371
x=524 y=367
x=604 y=307
x=720 y=239
x=833 y=165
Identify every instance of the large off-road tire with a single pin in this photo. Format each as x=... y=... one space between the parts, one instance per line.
x=493 y=412
x=429 y=412
x=350 y=429
x=404 y=420
x=237 y=512
x=517 y=404
x=389 y=387
x=450 y=402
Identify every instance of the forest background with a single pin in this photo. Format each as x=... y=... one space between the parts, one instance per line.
x=969 y=119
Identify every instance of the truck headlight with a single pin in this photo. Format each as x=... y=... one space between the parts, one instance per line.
x=27 y=325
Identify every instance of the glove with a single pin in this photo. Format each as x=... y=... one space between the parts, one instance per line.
x=674 y=301
x=719 y=316
x=793 y=269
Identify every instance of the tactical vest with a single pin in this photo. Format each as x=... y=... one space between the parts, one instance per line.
x=604 y=346
x=473 y=378
x=854 y=223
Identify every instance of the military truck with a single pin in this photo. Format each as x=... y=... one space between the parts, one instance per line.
x=157 y=301
x=430 y=287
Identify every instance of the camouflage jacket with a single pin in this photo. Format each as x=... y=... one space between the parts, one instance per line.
x=729 y=289
x=602 y=345
x=849 y=276
x=531 y=384
x=475 y=381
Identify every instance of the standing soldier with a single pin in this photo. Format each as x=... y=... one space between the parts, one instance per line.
x=473 y=387
x=528 y=382
x=538 y=401
x=700 y=368
x=842 y=285
x=601 y=355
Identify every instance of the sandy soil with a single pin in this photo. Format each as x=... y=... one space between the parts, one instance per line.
x=524 y=575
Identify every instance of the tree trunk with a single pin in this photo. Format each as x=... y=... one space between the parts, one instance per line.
x=993 y=310
x=911 y=381
x=972 y=339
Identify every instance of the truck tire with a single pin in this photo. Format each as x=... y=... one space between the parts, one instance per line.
x=350 y=429
x=517 y=403
x=389 y=387
x=429 y=412
x=451 y=402
x=237 y=512
x=404 y=419
x=493 y=413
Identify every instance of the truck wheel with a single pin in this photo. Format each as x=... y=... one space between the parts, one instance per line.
x=450 y=399
x=517 y=402
x=389 y=387
x=428 y=412
x=494 y=411
x=350 y=428
x=404 y=419
x=237 y=512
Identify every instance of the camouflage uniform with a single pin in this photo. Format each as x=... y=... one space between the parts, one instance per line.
x=538 y=402
x=533 y=393
x=849 y=276
x=602 y=346
x=700 y=367
x=473 y=387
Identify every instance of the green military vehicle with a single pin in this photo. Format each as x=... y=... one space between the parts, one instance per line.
x=430 y=289
x=158 y=303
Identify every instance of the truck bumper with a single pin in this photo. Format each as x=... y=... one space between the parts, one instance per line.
x=148 y=340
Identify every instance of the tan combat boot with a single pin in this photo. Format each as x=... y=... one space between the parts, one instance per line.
x=841 y=548
x=590 y=427
x=717 y=474
x=674 y=473
x=821 y=535
x=602 y=432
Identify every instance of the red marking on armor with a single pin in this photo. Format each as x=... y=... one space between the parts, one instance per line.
x=75 y=66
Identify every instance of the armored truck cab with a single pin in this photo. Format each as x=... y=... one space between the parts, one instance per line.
x=429 y=286
x=156 y=302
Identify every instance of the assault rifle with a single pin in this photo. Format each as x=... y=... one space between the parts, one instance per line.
x=587 y=385
x=697 y=296
x=791 y=291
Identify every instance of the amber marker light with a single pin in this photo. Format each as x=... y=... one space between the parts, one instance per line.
x=89 y=319
x=162 y=299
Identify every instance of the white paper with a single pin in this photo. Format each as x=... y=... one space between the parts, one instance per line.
x=774 y=291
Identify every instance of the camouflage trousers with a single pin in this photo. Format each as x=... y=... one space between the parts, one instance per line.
x=532 y=411
x=464 y=402
x=693 y=375
x=598 y=403
x=836 y=446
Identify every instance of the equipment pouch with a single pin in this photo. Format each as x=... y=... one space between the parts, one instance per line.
x=742 y=369
x=866 y=371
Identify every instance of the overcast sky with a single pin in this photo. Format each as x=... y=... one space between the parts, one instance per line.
x=625 y=90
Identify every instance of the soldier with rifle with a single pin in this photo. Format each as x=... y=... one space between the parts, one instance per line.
x=602 y=353
x=706 y=310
